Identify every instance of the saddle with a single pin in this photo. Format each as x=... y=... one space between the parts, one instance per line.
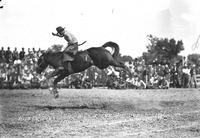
x=69 y=52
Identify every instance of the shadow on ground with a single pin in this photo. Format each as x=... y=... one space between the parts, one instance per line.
x=50 y=107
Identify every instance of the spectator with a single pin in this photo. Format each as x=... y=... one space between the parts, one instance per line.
x=145 y=75
x=29 y=53
x=35 y=81
x=14 y=76
x=8 y=55
x=2 y=75
x=2 y=55
x=22 y=54
x=33 y=50
x=26 y=78
x=9 y=74
x=166 y=73
x=185 y=77
x=139 y=83
x=174 y=77
x=39 y=53
x=193 y=76
x=15 y=54
x=34 y=55
x=17 y=65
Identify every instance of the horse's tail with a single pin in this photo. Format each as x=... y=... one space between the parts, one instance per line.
x=113 y=46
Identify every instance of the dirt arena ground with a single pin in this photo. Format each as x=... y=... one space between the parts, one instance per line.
x=100 y=113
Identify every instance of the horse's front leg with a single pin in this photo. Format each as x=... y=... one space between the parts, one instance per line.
x=54 y=73
x=55 y=82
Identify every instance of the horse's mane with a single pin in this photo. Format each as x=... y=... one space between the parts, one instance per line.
x=52 y=54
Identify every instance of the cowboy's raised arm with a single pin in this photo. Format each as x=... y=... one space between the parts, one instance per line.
x=57 y=34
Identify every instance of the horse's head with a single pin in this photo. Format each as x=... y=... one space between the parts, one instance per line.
x=41 y=65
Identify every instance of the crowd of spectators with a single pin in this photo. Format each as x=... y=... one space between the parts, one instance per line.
x=17 y=70
x=156 y=76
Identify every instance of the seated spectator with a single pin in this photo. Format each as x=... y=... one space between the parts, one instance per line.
x=163 y=83
x=3 y=79
x=131 y=82
x=35 y=81
x=26 y=79
x=17 y=62
x=2 y=76
x=153 y=81
x=139 y=83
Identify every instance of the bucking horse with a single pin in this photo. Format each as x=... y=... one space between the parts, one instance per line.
x=94 y=56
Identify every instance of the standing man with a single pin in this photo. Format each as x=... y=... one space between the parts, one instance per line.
x=8 y=55
x=2 y=55
x=193 y=76
x=22 y=54
x=39 y=53
x=15 y=54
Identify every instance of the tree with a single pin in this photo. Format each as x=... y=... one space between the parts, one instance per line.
x=194 y=59
x=55 y=48
x=162 y=50
x=125 y=58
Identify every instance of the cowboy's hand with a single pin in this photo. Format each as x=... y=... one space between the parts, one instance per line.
x=53 y=34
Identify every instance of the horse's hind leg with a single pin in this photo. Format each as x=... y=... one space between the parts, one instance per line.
x=55 y=82
x=121 y=65
x=117 y=64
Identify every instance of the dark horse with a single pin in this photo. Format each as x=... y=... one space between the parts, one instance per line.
x=97 y=56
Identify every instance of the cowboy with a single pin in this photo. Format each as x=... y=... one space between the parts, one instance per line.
x=70 y=50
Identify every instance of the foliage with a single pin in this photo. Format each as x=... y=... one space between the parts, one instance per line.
x=55 y=48
x=194 y=59
x=162 y=50
x=125 y=58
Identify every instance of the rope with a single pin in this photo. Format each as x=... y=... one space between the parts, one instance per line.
x=196 y=44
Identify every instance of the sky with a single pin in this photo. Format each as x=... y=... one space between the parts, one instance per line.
x=29 y=23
